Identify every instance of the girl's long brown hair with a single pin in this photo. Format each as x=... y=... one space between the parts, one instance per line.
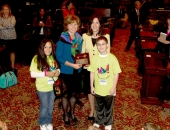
x=41 y=56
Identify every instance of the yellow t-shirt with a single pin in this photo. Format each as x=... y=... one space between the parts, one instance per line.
x=42 y=83
x=104 y=69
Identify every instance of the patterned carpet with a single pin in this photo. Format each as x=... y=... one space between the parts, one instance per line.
x=19 y=106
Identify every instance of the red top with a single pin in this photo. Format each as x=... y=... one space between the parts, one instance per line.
x=67 y=12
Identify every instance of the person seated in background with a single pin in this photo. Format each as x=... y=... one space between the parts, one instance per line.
x=122 y=17
x=3 y=126
x=68 y=8
x=42 y=25
x=161 y=46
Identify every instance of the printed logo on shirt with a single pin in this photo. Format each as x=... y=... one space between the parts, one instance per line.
x=102 y=70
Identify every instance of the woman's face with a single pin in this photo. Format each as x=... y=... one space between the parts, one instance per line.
x=70 y=6
x=48 y=48
x=95 y=26
x=72 y=28
x=168 y=21
x=42 y=12
x=6 y=10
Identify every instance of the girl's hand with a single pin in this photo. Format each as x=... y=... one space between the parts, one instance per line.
x=112 y=91
x=77 y=66
x=50 y=74
x=92 y=90
x=57 y=73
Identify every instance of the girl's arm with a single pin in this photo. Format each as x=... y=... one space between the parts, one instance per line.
x=42 y=74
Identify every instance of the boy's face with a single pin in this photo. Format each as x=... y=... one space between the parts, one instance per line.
x=102 y=47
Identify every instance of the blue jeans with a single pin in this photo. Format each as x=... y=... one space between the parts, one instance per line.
x=46 y=107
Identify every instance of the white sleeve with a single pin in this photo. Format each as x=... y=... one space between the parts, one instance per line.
x=37 y=74
x=58 y=70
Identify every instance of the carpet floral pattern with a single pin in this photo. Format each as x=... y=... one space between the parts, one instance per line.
x=19 y=105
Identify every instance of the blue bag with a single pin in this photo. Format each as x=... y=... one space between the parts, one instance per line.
x=7 y=79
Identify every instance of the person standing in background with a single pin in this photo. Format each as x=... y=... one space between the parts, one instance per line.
x=95 y=30
x=8 y=34
x=136 y=25
x=68 y=8
x=42 y=25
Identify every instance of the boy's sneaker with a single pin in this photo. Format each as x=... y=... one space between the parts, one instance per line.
x=49 y=127
x=43 y=127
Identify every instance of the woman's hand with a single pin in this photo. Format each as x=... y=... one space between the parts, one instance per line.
x=77 y=66
x=41 y=24
x=166 y=42
x=87 y=65
x=159 y=38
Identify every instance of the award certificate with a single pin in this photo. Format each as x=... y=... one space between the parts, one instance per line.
x=82 y=58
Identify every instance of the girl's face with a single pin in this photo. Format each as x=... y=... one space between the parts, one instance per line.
x=95 y=26
x=102 y=47
x=48 y=48
x=72 y=28
x=6 y=10
x=168 y=21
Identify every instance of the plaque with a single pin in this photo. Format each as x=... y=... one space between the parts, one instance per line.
x=82 y=58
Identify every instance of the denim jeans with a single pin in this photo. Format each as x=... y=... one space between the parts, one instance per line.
x=46 y=107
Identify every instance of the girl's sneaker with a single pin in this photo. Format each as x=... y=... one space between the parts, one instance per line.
x=43 y=127
x=49 y=127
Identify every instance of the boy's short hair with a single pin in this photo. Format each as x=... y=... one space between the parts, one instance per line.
x=102 y=38
x=151 y=126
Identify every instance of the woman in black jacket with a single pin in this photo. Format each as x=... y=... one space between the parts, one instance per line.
x=163 y=45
